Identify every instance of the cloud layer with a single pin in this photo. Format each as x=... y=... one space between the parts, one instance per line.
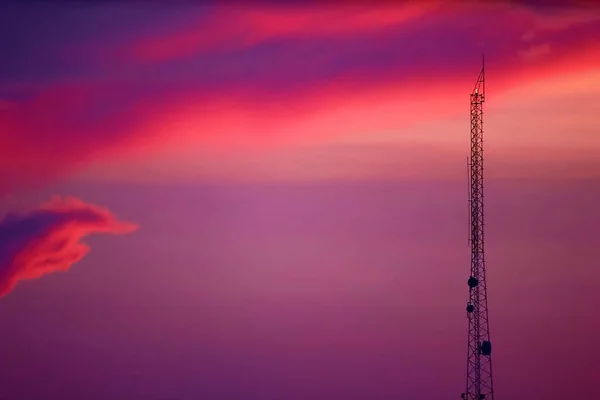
x=225 y=78
x=48 y=239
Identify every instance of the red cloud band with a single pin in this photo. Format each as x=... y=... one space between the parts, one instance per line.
x=47 y=239
x=253 y=24
x=174 y=93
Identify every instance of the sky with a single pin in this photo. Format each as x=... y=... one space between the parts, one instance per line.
x=264 y=200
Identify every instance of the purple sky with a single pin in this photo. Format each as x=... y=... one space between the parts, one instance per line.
x=317 y=291
x=300 y=191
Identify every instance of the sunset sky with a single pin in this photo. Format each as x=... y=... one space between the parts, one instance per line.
x=287 y=186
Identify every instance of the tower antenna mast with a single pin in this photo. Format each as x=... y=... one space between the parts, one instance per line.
x=479 y=361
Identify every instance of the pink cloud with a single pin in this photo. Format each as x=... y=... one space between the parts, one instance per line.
x=48 y=239
x=251 y=24
x=245 y=26
x=284 y=98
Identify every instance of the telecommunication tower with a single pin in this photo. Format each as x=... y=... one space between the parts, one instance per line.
x=479 y=361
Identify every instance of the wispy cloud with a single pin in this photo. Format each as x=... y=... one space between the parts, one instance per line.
x=249 y=77
x=48 y=239
x=535 y=52
x=249 y=25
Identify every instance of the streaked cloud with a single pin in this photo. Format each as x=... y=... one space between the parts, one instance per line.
x=48 y=239
x=236 y=80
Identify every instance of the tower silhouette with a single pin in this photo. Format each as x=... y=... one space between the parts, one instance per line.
x=479 y=360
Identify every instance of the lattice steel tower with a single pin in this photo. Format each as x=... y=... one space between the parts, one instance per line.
x=479 y=360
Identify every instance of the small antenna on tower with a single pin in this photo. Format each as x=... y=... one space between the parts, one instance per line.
x=483 y=73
